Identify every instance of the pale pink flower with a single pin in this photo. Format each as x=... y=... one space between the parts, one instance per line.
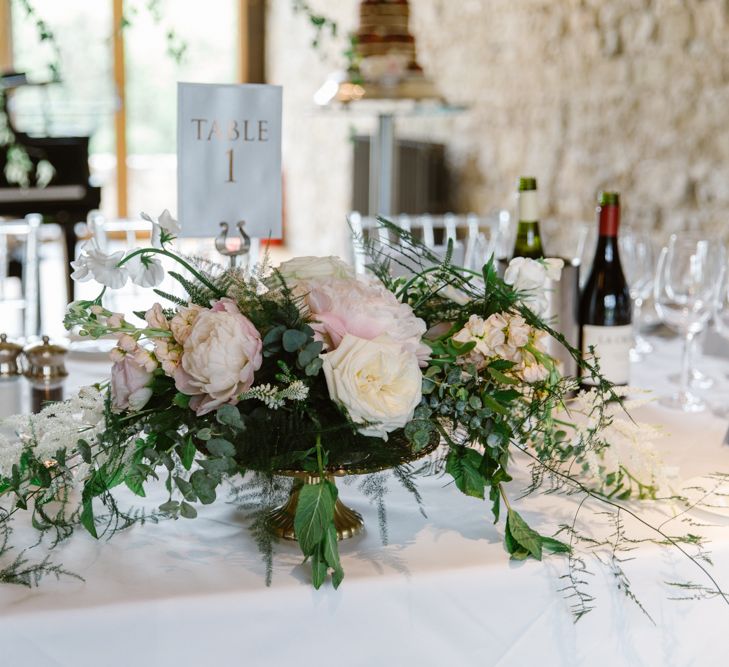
x=220 y=355
x=156 y=319
x=126 y=343
x=129 y=384
x=168 y=353
x=367 y=310
x=181 y=323
x=145 y=359
x=115 y=321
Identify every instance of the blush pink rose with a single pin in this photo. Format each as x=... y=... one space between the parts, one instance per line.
x=219 y=357
x=365 y=310
x=129 y=384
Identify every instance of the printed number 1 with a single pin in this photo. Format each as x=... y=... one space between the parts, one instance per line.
x=229 y=153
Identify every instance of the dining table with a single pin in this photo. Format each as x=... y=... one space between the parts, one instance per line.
x=436 y=587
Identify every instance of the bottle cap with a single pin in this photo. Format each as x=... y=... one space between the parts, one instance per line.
x=527 y=183
x=46 y=361
x=609 y=199
x=9 y=357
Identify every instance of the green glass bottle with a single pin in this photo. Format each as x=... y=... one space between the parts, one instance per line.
x=528 y=240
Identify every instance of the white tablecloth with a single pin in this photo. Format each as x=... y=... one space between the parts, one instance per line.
x=442 y=592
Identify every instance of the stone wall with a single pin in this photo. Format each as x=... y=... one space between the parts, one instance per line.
x=583 y=94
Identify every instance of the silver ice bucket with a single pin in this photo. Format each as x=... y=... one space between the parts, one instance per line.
x=563 y=316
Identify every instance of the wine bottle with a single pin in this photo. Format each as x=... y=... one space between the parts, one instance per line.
x=528 y=240
x=605 y=305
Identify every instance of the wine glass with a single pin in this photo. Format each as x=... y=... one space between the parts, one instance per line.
x=686 y=285
x=721 y=323
x=638 y=260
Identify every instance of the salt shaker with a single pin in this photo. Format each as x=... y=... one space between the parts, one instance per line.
x=46 y=371
x=10 y=372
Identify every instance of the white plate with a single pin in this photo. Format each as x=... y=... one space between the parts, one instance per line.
x=710 y=495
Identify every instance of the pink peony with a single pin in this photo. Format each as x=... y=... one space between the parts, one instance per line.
x=219 y=357
x=129 y=384
x=365 y=310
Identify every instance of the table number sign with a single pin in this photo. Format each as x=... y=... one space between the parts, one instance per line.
x=229 y=158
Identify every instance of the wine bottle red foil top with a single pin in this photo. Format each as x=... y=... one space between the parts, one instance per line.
x=609 y=216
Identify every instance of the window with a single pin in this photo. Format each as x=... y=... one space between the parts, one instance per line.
x=136 y=121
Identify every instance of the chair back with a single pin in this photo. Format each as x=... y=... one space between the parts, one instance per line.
x=24 y=230
x=475 y=238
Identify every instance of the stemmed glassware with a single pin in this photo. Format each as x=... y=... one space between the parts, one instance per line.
x=637 y=257
x=721 y=322
x=687 y=281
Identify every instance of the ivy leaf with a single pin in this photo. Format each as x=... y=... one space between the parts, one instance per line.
x=181 y=400
x=187 y=453
x=87 y=517
x=314 y=513
x=495 y=497
x=463 y=464
x=220 y=447
x=523 y=536
x=135 y=481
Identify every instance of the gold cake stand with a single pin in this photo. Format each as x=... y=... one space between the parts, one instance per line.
x=347 y=522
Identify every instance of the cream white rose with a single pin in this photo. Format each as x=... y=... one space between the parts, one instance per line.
x=377 y=381
x=314 y=268
x=530 y=276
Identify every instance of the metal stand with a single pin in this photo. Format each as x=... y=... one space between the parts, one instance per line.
x=233 y=247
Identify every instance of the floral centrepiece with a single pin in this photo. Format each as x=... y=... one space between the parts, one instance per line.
x=309 y=367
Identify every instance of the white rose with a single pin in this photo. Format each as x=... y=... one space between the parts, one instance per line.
x=377 y=381
x=530 y=276
x=314 y=268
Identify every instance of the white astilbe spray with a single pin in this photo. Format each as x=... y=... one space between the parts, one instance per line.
x=623 y=459
x=274 y=398
x=56 y=426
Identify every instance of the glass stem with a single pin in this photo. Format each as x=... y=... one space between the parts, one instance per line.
x=686 y=362
x=637 y=308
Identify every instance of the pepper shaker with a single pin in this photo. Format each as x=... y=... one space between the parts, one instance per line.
x=46 y=371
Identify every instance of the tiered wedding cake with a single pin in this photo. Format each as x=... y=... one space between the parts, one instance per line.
x=386 y=51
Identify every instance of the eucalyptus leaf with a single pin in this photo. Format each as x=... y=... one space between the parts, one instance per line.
x=293 y=339
x=229 y=415
x=204 y=486
x=220 y=447
x=187 y=510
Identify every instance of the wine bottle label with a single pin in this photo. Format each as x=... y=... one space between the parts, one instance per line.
x=612 y=348
x=528 y=206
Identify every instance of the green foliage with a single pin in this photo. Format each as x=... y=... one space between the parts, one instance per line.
x=315 y=532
